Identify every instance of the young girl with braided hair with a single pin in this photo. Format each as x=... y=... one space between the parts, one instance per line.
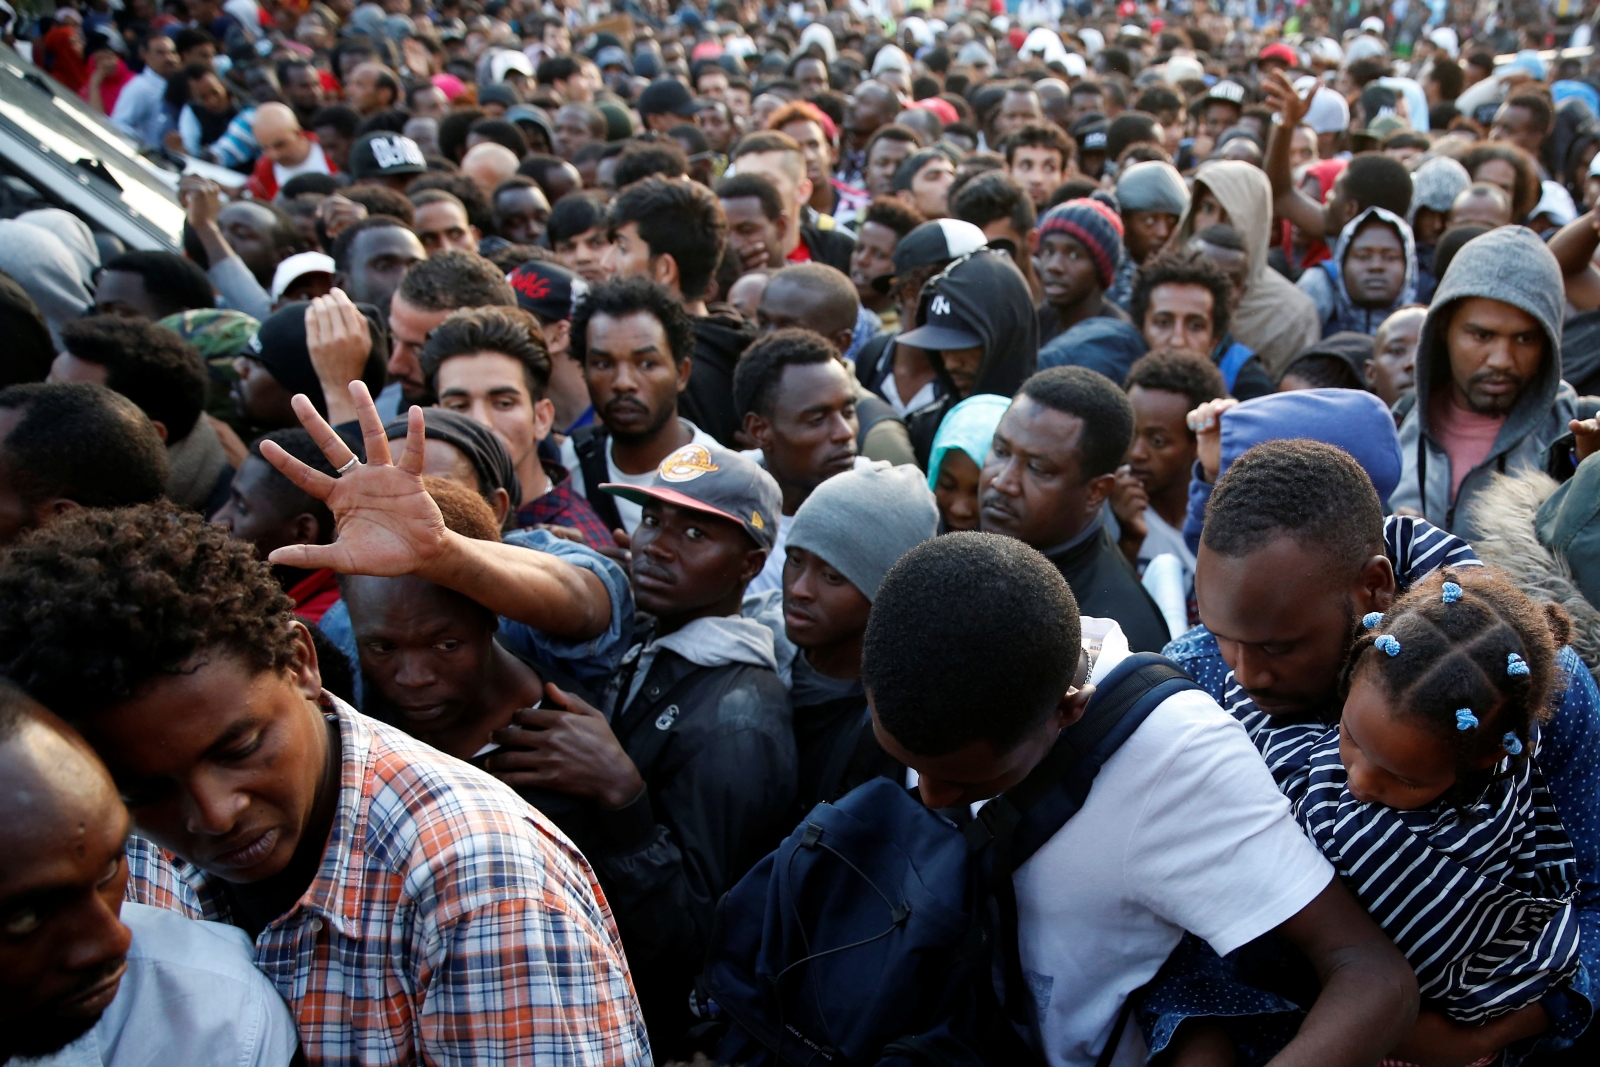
x=1428 y=799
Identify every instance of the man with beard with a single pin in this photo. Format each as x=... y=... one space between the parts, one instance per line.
x=86 y=977
x=1488 y=377
x=799 y=407
x=635 y=342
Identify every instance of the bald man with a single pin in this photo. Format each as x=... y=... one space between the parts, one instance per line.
x=286 y=150
x=489 y=164
x=84 y=977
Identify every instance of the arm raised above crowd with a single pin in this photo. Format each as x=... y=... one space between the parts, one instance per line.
x=388 y=525
x=1287 y=201
x=1574 y=247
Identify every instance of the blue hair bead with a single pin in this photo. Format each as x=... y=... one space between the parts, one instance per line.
x=1452 y=592
x=1388 y=644
x=1465 y=720
x=1512 y=744
x=1517 y=666
x=1371 y=619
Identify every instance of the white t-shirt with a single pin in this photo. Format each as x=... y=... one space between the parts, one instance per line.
x=627 y=510
x=316 y=162
x=1183 y=830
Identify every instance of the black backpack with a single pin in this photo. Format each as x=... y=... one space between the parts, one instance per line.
x=884 y=934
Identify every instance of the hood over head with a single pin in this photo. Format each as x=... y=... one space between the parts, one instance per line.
x=1357 y=422
x=1246 y=195
x=73 y=232
x=1512 y=265
x=1436 y=184
x=1152 y=186
x=986 y=294
x=1346 y=315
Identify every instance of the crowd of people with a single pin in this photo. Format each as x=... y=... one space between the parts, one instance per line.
x=871 y=532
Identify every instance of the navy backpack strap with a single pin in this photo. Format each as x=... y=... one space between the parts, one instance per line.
x=590 y=444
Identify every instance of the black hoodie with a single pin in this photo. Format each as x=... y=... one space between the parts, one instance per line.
x=992 y=299
x=719 y=340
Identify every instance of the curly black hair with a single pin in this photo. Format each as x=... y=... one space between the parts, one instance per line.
x=1181 y=268
x=993 y=195
x=640 y=160
x=100 y=602
x=1192 y=377
x=1039 y=135
x=148 y=364
x=82 y=442
x=760 y=369
x=1455 y=655
x=625 y=296
x=971 y=636
x=1526 y=189
x=1309 y=491
x=677 y=218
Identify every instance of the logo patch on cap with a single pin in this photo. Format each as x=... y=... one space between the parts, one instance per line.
x=940 y=305
x=687 y=464
x=755 y=520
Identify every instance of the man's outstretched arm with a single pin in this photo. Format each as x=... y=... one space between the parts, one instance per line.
x=1369 y=994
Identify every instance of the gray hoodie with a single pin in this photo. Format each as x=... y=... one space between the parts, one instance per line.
x=1513 y=266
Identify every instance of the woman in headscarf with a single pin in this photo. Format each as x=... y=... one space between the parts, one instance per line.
x=1373 y=273
x=959 y=449
x=61 y=53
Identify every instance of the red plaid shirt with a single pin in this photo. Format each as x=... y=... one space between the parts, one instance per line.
x=561 y=506
x=449 y=923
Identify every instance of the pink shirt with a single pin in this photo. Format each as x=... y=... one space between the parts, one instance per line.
x=1467 y=437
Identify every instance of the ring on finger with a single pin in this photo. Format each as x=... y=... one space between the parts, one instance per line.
x=349 y=464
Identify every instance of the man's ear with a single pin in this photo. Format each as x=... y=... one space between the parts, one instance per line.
x=47 y=511
x=1074 y=702
x=664 y=271
x=477 y=234
x=843 y=339
x=685 y=368
x=804 y=191
x=1099 y=491
x=305 y=530
x=501 y=503
x=544 y=417
x=303 y=667
x=558 y=337
x=1375 y=585
x=754 y=560
x=1366 y=371
x=758 y=429
x=161 y=429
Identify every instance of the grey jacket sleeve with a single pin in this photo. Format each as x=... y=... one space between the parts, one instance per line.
x=239 y=288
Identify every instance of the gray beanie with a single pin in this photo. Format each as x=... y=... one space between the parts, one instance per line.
x=862 y=521
x=1152 y=186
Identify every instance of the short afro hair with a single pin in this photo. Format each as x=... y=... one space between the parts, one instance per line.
x=99 y=603
x=81 y=442
x=508 y=331
x=292 y=499
x=447 y=281
x=501 y=132
x=897 y=216
x=1039 y=135
x=1376 y=180
x=347 y=237
x=469 y=192
x=621 y=297
x=382 y=200
x=1192 y=377
x=993 y=195
x=1309 y=491
x=971 y=637
x=752 y=186
x=173 y=282
x=642 y=159
x=574 y=214
x=680 y=219
x=1181 y=268
x=1095 y=399
x=148 y=364
x=760 y=369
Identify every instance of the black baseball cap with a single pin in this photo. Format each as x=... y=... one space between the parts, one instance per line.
x=1090 y=132
x=383 y=154
x=666 y=95
x=941 y=327
x=547 y=290
x=937 y=242
x=716 y=481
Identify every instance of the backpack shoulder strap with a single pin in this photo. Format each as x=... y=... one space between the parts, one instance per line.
x=590 y=444
x=1233 y=360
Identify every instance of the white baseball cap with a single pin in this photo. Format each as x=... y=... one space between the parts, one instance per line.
x=296 y=267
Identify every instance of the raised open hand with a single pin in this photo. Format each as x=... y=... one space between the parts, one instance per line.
x=387 y=523
x=339 y=341
x=1285 y=101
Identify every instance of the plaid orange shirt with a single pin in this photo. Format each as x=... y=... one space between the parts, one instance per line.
x=449 y=923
